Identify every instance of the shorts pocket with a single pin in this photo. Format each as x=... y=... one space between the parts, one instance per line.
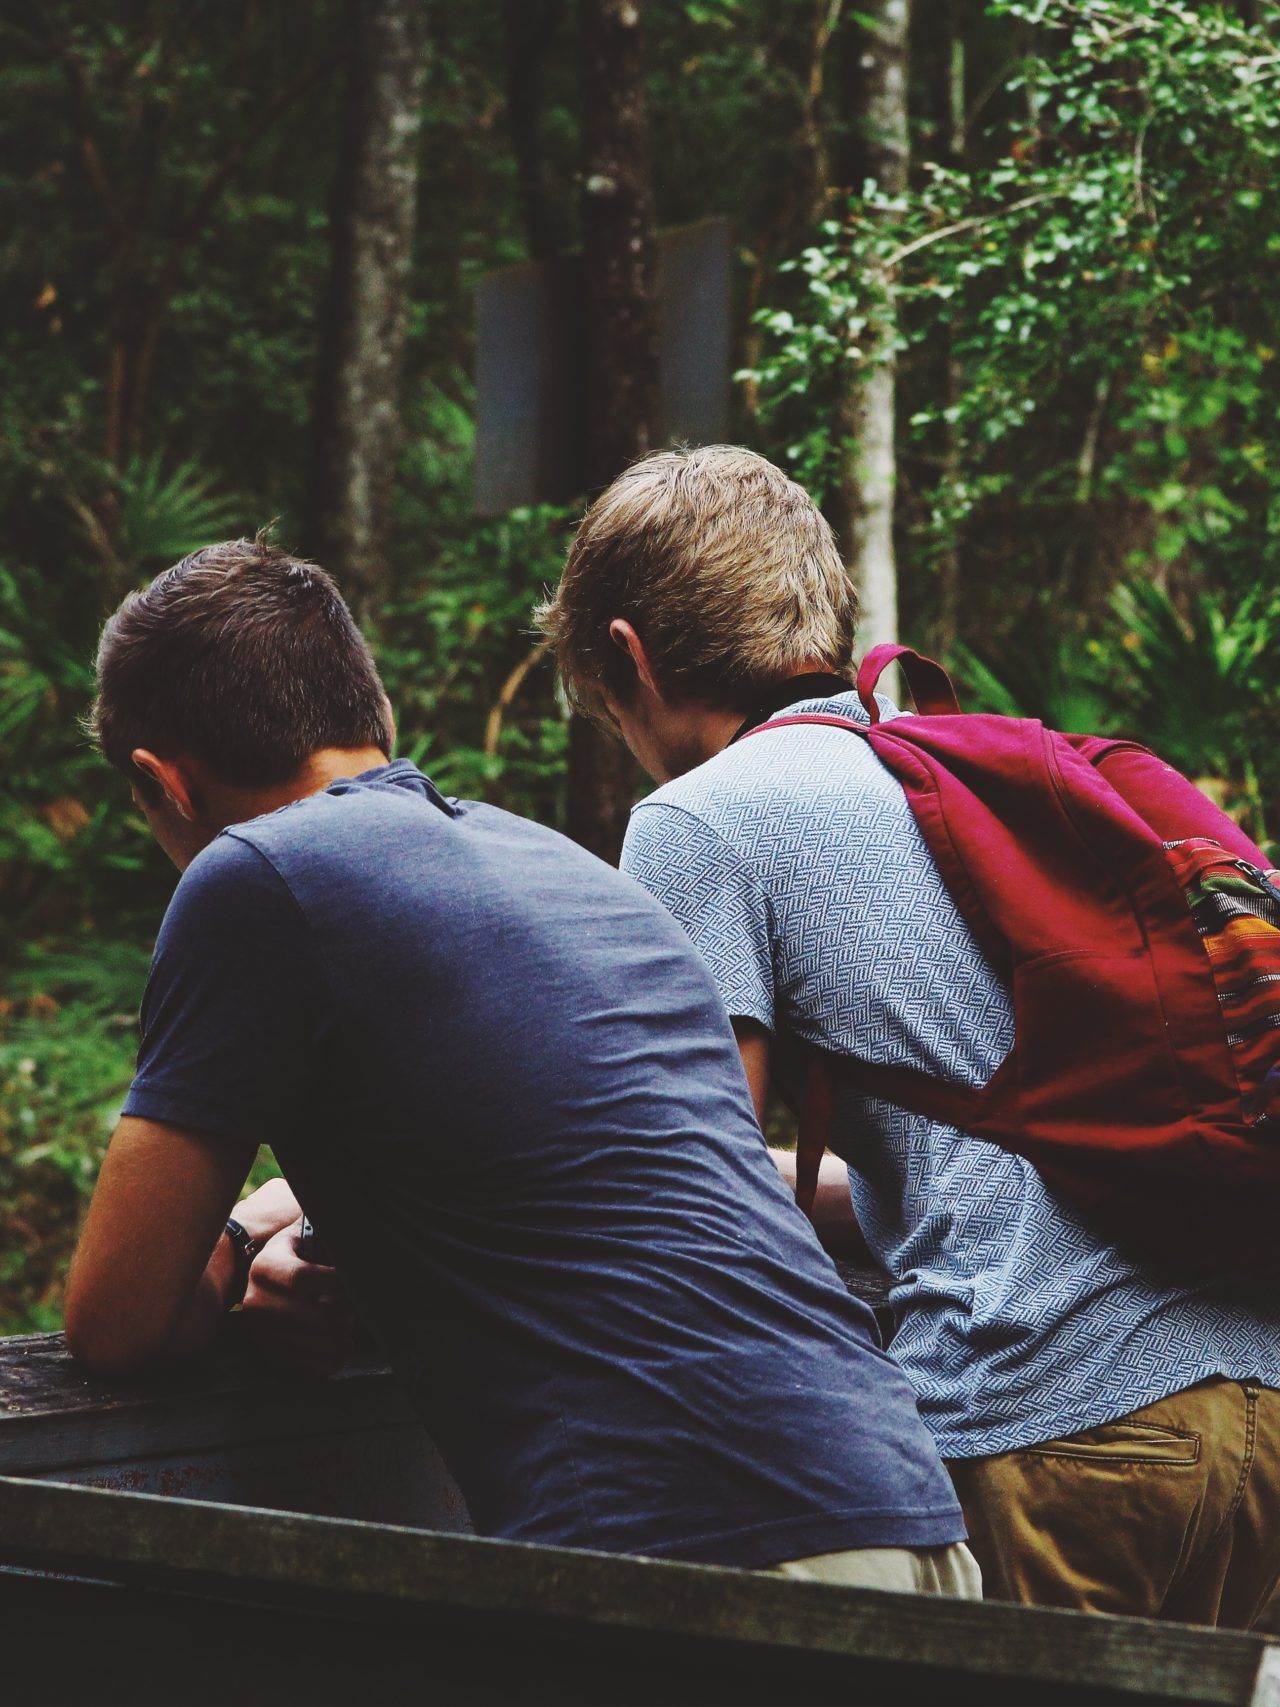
x=1125 y=1442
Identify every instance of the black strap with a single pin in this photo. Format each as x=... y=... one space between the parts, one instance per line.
x=818 y=684
x=243 y=1249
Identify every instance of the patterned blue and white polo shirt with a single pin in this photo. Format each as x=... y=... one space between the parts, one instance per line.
x=794 y=863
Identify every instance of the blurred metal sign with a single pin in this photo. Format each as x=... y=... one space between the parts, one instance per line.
x=531 y=366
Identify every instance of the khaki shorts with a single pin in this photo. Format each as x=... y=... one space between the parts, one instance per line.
x=907 y=1570
x=1170 y=1512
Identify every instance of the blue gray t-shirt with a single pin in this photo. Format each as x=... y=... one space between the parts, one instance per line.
x=794 y=863
x=505 y=1089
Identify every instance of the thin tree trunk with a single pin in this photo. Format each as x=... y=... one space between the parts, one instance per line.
x=617 y=233
x=622 y=345
x=950 y=140
x=356 y=429
x=870 y=469
x=806 y=185
x=529 y=27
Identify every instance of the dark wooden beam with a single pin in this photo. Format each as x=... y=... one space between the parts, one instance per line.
x=551 y=1624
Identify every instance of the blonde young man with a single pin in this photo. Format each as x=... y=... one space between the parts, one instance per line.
x=1115 y=1438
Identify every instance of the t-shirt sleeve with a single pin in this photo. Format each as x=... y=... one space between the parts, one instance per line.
x=705 y=884
x=232 y=1003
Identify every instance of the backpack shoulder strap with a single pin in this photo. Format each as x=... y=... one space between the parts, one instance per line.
x=929 y=683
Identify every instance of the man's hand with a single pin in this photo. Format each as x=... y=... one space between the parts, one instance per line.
x=295 y=1309
x=266 y=1211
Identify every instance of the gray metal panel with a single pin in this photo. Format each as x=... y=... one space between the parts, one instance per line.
x=530 y=380
x=694 y=281
x=531 y=352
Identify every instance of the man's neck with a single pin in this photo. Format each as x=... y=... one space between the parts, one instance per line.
x=697 y=733
x=313 y=776
x=703 y=732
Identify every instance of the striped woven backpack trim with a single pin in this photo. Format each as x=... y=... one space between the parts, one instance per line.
x=1236 y=908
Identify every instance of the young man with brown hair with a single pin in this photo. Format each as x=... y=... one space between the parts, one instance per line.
x=1114 y=1435
x=502 y=1083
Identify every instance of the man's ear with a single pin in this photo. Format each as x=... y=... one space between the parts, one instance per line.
x=174 y=778
x=625 y=637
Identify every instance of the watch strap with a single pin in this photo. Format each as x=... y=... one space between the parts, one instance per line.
x=243 y=1249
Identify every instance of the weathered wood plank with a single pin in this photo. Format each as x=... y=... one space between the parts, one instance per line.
x=52 y=1415
x=348 y=1444
x=151 y=1419
x=230 y=1427
x=38 y=1379
x=534 y=1606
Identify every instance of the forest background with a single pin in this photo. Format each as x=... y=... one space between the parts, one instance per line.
x=1004 y=297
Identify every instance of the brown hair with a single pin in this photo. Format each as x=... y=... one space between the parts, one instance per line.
x=725 y=568
x=243 y=656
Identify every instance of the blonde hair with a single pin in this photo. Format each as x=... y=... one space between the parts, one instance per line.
x=726 y=569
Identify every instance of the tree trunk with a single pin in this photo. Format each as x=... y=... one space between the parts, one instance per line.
x=622 y=344
x=949 y=108
x=356 y=429
x=869 y=466
x=529 y=28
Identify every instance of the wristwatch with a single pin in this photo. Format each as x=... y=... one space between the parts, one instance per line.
x=244 y=1249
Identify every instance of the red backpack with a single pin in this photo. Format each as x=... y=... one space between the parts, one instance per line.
x=1138 y=931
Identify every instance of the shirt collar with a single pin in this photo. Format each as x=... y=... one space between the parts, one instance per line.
x=817 y=684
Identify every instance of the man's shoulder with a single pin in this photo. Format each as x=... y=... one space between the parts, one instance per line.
x=331 y=832
x=231 y=861
x=225 y=879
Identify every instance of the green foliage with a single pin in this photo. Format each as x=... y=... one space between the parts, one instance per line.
x=1199 y=681
x=64 y=1070
x=1192 y=679
x=1087 y=335
x=73 y=855
x=72 y=852
x=456 y=632
x=1049 y=679
x=166 y=512
x=1087 y=360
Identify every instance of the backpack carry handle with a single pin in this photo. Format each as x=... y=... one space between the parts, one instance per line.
x=929 y=683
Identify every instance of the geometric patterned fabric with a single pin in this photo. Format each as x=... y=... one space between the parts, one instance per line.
x=1236 y=909
x=793 y=862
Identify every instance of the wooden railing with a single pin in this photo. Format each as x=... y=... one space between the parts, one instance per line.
x=175 y=1601
x=345 y=1445
x=226 y=1536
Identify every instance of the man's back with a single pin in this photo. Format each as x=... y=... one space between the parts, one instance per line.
x=505 y=1090
x=807 y=886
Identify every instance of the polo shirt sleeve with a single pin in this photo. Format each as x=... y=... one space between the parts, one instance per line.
x=706 y=885
x=232 y=1003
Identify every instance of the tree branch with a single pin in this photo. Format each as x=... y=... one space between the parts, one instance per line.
x=267 y=116
x=510 y=688
x=977 y=224
x=86 y=135
x=183 y=238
